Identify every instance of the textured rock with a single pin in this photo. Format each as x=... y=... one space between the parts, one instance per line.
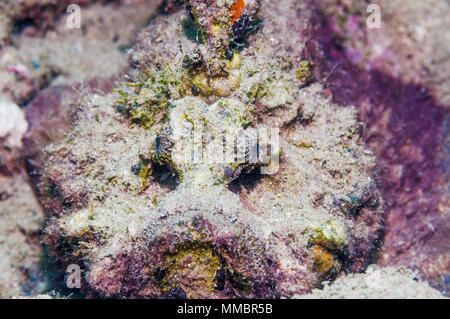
x=20 y=251
x=411 y=44
x=20 y=213
x=37 y=15
x=13 y=127
x=171 y=6
x=397 y=78
x=143 y=221
x=377 y=283
x=58 y=55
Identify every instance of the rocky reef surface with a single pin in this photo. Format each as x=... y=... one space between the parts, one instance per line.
x=242 y=154
x=397 y=76
x=377 y=283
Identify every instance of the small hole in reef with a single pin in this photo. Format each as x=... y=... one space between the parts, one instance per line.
x=21 y=25
x=247 y=179
x=165 y=175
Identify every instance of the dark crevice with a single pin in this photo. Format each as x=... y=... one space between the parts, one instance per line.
x=165 y=175
x=53 y=278
x=247 y=179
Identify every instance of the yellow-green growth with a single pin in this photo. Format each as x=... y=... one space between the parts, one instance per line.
x=146 y=100
x=324 y=262
x=305 y=71
x=196 y=261
x=331 y=235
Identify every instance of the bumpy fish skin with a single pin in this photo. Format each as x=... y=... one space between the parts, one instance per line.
x=143 y=222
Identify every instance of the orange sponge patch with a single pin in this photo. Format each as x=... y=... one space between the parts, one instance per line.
x=236 y=9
